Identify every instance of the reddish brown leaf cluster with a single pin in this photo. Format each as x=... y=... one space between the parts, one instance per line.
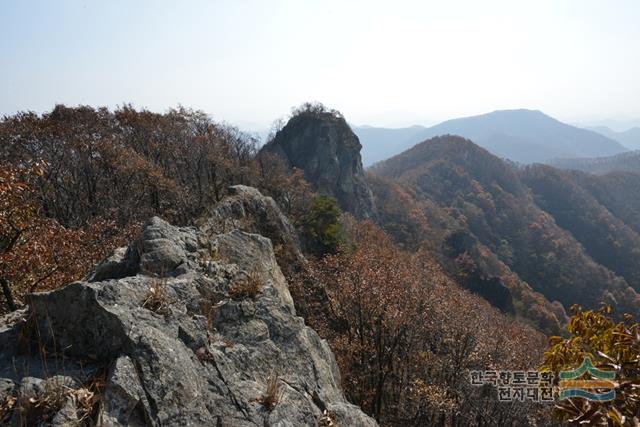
x=38 y=253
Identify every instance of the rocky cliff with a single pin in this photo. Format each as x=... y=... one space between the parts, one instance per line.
x=323 y=145
x=186 y=326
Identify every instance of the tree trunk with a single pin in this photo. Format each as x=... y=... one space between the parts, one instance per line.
x=8 y=296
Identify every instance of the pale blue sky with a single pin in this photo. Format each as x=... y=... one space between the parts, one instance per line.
x=382 y=63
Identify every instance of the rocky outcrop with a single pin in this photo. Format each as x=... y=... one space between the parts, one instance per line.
x=186 y=326
x=323 y=145
x=247 y=209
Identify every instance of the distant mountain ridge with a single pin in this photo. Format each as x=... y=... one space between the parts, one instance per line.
x=524 y=136
x=630 y=138
x=381 y=143
x=625 y=162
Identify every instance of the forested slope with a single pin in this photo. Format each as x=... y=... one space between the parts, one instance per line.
x=494 y=203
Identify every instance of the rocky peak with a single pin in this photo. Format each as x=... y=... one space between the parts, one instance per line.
x=322 y=144
x=187 y=326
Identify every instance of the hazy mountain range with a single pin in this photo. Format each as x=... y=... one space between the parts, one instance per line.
x=625 y=162
x=629 y=138
x=524 y=136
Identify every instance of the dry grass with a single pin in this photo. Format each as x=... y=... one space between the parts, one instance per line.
x=327 y=419
x=204 y=355
x=6 y=408
x=157 y=298
x=86 y=403
x=40 y=408
x=272 y=395
x=248 y=287
x=209 y=311
x=88 y=398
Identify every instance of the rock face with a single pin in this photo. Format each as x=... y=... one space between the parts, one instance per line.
x=248 y=210
x=323 y=145
x=187 y=326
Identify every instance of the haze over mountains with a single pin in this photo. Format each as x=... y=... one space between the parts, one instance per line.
x=621 y=163
x=630 y=138
x=524 y=136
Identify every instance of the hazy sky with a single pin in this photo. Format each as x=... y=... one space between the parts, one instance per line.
x=382 y=63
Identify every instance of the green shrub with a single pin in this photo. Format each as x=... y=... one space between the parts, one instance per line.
x=321 y=227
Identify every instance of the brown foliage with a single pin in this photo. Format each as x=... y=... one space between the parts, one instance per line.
x=127 y=165
x=33 y=408
x=605 y=237
x=36 y=252
x=534 y=228
x=288 y=188
x=405 y=335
